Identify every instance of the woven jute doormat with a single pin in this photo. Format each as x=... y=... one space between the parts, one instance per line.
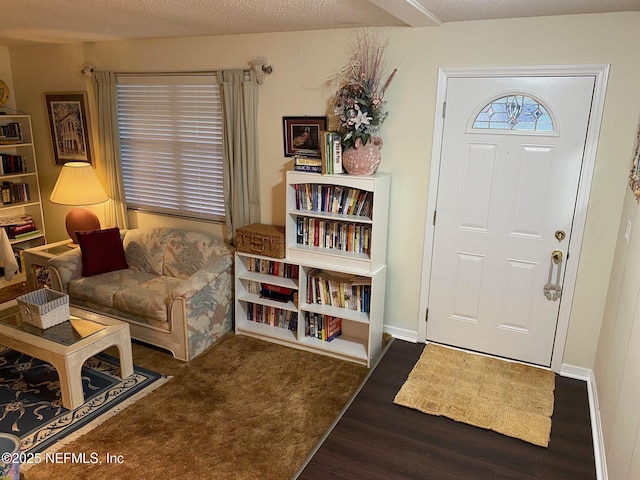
x=508 y=397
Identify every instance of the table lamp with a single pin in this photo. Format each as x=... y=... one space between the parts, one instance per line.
x=79 y=185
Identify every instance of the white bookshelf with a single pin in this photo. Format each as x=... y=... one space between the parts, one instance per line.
x=361 y=337
x=24 y=148
x=351 y=261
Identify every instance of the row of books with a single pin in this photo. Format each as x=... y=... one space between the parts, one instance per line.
x=318 y=197
x=322 y=327
x=19 y=227
x=11 y=131
x=272 y=267
x=14 y=192
x=12 y=164
x=343 y=236
x=276 y=317
x=352 y=292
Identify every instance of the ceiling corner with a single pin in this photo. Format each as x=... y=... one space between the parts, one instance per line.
x=410 y=12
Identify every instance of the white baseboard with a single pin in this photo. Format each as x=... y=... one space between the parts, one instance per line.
x=586 y=375
x=401 y=333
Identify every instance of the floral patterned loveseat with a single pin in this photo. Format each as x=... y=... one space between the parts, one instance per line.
x=176 y=292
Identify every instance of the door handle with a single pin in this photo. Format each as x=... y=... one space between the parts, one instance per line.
x=553 y=290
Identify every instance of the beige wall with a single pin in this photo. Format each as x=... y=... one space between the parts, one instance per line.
x=617 y=365
x=304 y=61
x=47 y=69
x=6 y=76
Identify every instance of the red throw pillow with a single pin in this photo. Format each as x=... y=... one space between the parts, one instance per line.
x=102 y=251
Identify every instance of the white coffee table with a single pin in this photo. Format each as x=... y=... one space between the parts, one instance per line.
x=68 y=345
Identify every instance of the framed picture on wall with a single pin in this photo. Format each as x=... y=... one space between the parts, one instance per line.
x=69 y=127
x=302 y=135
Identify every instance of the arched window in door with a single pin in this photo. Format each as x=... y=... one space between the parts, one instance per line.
x=514 y=112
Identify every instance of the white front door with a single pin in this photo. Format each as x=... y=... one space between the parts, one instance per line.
x=511 y=157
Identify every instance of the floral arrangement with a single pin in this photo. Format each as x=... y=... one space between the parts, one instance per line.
x=359 y=103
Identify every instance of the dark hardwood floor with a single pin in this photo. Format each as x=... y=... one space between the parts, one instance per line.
x=376 y=439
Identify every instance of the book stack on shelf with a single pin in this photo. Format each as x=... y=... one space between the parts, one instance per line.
x=14 y=192
x=278 y=293
x=322 y=327
x=269 y=291
x=328 y=162
x=307 y=163
x=19 y=227
x=10 y=133
x=12 y=164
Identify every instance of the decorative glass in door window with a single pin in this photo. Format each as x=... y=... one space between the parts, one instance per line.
x=514 y=112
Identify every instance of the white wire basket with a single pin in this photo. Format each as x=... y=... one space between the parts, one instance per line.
x=44 y=308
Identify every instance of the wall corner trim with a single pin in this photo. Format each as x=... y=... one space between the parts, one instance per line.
x=587 y=375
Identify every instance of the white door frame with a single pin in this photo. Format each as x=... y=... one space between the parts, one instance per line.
x=601 y=74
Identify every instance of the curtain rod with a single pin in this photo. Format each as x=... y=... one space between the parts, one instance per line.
x=260 y=69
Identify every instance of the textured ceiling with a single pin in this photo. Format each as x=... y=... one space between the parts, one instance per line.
x=65 y=21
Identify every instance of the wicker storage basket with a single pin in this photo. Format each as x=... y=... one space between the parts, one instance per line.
x=44 y=308
x=261 y=239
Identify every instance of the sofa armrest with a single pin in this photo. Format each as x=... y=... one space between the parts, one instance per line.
x=64 y=268
x=203 y=277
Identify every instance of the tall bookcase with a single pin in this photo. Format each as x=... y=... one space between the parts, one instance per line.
x=19 y=179
x=335 y=269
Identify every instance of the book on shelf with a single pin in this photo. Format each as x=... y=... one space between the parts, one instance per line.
x=16 y=230
x=325 y=152
x=337 y=155
x=29 y=234
x=307 y=160
x=308 y=168
x=277 y=293
x=293 y=322
x=272 y=292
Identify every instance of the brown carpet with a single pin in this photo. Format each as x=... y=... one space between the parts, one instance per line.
x=508 y=397
x=245 y=409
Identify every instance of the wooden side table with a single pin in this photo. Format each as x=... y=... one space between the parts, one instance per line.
x=35 y=262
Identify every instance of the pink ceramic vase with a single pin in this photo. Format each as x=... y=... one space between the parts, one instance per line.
x=362 y=159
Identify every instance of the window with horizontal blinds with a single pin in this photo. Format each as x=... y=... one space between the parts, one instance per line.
x=171 y=144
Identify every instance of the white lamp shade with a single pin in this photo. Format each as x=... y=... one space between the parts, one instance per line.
x=78 y=185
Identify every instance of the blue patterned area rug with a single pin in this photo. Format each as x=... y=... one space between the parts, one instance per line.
x=31 y=400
